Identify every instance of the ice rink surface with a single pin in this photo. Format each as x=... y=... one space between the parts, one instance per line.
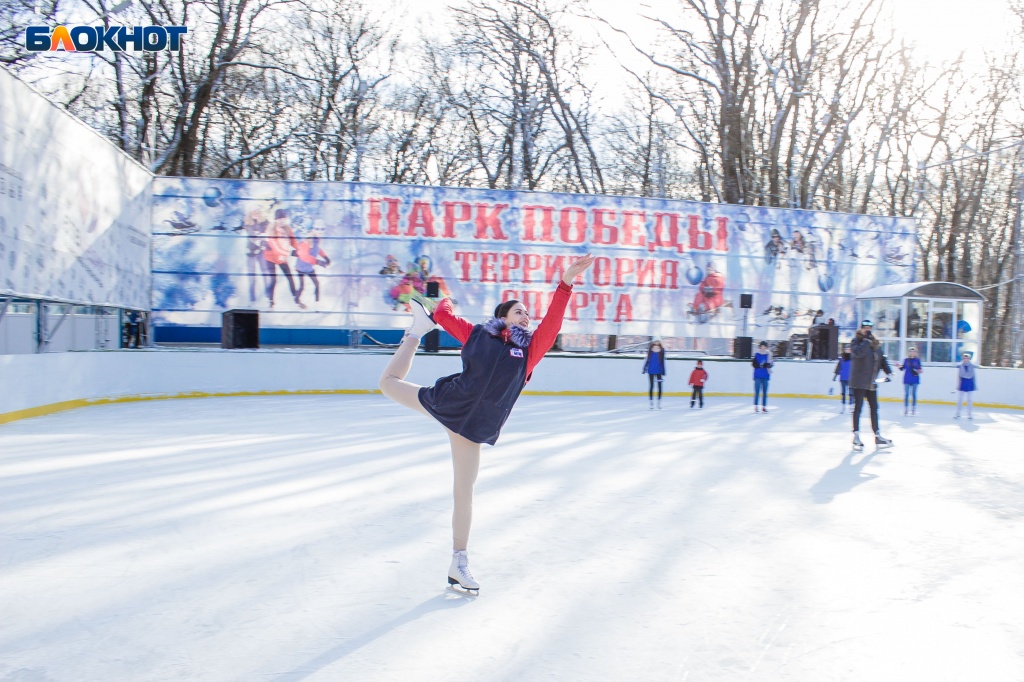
x=307 y=538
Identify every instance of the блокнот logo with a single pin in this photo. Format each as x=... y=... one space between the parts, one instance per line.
x=99 y=38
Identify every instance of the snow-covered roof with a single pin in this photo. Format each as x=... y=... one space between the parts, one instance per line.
x=923 y=290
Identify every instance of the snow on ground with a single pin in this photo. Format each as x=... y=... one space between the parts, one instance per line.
x=307 y=538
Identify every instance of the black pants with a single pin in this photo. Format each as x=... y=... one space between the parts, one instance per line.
x=698 y=393
x=858 y=400
x=650 y=390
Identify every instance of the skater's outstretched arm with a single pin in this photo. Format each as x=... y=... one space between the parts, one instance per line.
x=547 y=330
x=445 y=316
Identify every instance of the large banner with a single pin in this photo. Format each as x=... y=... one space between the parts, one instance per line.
x=74 y=211
x=354 y=255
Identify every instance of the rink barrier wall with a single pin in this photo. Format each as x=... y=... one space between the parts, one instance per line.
x=45 y=383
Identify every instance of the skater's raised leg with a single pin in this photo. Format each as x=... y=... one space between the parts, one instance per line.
x=392 y=380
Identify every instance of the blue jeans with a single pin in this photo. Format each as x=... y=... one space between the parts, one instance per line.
x=761 y=386
x=910 y=391
x=845 y=388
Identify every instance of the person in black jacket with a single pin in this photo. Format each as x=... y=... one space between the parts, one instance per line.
x=867 y=361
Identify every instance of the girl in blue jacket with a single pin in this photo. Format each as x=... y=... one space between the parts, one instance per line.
x=843 y=373
x=654 y=368
x=762 y=362
x=911 y=367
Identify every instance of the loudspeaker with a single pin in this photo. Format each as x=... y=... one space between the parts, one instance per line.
x=433 y=289
x=824 y=342
x=432 y=341
x=746 y=300
x=240 y=329
x=742 y=346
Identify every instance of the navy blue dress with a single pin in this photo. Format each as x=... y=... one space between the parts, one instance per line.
x=476 y=402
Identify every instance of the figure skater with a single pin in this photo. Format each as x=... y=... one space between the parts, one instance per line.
x=966 y=384
x=498 y=358
x=654 y=368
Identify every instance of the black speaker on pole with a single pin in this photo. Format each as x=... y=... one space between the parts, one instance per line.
x=240 y=329
x=432 y=339
x=746 y=300
x=742 y=347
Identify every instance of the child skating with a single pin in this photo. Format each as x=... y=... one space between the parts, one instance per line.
x=654 y=368
x=763 y=363
x=966 y=384
x=912 y=369
x=698 y=377
x=498 y=358
x=843 y=374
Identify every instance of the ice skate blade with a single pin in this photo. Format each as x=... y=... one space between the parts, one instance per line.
x=457 y=587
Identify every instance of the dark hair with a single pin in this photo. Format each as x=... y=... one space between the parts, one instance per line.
x=501 y=310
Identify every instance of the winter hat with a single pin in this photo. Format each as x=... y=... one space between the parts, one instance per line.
x=867 y=323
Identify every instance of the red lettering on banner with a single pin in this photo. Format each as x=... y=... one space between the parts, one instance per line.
x=623 y=267
x=451 y=217
x=669 y=275
x=374 y=216
x=602 y=271
x=554 y=268
x=487 y=261
x=645 y=273
x=700 y=240
x=723 y=233
x=421 y=216
x=531 y=263
x=489 y=222
x=578 y=301
x=509 y=262
x=467 y=259
x=633 y=223
x=666 y=236
x=572 y=225
x=624 y=309
x=536 y=303
x=603 y=232
x=601 y=299
x=547 y=223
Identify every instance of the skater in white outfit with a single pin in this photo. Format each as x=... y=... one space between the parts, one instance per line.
x=498 y=358
x=966 y=384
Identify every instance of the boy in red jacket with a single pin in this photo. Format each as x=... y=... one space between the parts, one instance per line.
x=698 y=377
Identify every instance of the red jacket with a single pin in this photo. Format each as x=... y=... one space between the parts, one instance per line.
x=542 y=340
x=698 y=377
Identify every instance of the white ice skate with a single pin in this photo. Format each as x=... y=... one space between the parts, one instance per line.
x=458 y=573
x=857 y=444
x=422 y=322
x=882 y=442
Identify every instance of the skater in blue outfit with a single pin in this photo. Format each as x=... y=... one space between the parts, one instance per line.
x=911 y=367
x=966 y=384
x=763 y=363
x=843 y=374
x=654 y=368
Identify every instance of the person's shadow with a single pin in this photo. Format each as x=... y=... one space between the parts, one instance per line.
x=842 y=478
x=448 y=600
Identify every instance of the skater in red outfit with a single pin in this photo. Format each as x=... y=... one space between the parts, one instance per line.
x=698 y=377
x=498 y=358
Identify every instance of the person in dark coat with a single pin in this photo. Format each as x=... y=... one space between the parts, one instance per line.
x=654 y=368
x=498 y=358
x=867 y=360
